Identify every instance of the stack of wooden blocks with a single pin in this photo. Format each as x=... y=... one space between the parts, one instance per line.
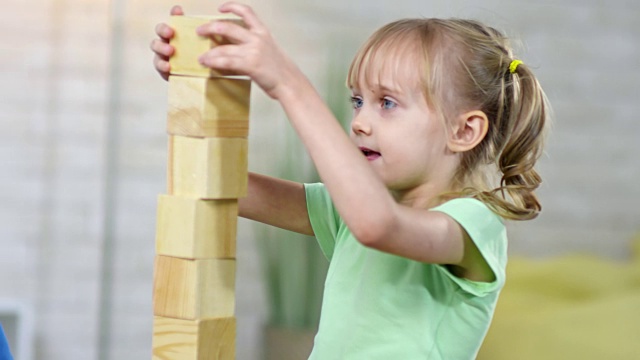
x=194 y=278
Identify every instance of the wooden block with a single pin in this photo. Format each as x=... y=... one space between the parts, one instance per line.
x=208 y=168
x=193 y=289
x=202 y=107
x=189 y=45
x=196 y=229
x=206 y=339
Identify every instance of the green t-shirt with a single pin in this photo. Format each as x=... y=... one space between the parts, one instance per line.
x=382 y=306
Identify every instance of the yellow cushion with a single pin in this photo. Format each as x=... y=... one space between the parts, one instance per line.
x=572 y=307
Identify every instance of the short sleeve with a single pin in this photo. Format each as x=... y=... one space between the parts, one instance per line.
x=323 y=217
x=487 y=231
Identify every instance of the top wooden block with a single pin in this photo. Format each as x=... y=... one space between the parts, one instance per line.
x=189 y=45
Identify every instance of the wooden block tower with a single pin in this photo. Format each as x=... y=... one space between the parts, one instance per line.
x=194 y=275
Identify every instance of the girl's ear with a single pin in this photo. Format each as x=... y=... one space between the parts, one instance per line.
x=468 y=131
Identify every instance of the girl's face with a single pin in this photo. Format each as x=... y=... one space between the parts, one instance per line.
x=403 y=139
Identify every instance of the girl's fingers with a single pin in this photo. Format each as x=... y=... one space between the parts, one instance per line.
x=246 y=13
x=161 y=48
x=226 y=57
x=233 y=32
x=177 y=10
x=161 y=65
x=164 y=31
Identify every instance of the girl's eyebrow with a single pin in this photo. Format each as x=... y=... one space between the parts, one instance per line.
x=383 y=87
x=389 y=88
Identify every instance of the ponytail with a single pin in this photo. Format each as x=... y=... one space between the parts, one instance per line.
x=522 y=131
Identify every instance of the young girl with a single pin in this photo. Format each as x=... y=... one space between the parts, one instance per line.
x=409 y=213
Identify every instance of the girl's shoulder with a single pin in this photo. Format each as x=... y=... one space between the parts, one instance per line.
x=471 y=210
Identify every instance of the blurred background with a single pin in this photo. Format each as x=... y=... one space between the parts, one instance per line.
x=83 y=153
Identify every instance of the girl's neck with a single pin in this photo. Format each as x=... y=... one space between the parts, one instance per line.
x=424 y=196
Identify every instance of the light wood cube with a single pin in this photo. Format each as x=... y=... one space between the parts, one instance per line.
x=206 y=339
x=193 y=289
x=208 y=168
x=196 y=229
x=203 y=107
x=189 y=45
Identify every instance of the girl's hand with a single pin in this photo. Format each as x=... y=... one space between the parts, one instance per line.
x=252 y=52
x=161 y=47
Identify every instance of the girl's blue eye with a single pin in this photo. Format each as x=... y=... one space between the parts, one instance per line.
x=356 y=102
x=388 y=104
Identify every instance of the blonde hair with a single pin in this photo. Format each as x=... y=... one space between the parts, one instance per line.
x=465 y=66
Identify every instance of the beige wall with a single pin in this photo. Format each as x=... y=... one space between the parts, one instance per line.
x=83 y=148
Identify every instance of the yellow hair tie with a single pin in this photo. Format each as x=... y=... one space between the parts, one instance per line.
x=514 y=65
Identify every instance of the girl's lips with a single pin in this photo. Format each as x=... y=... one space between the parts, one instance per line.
x=369 y=154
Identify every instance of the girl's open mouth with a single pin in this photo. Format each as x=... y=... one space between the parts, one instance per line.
x=369 y=154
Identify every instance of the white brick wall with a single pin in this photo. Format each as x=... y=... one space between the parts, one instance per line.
x=54 y=98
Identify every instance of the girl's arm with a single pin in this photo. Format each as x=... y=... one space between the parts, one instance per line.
x=276 y=202
x=362 y=200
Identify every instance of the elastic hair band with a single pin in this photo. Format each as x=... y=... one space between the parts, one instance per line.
x=514 y=65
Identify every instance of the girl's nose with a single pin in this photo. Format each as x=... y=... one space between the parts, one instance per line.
x=359 y=126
